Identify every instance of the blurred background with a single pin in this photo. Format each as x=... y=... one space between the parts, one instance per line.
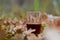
x=18 y=8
